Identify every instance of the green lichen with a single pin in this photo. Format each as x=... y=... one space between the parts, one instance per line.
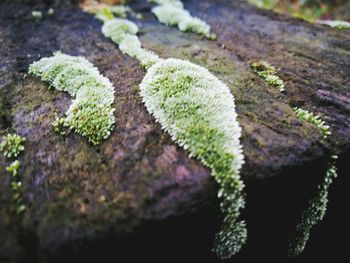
x=335 y=24
x=12 y=145
x=172 y=13
x=198 y=111
x=91 y=113
x=313 y=119
x=314 y=213
x=268 y=73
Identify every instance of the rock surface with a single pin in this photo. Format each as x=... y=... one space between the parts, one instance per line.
x=78 y=194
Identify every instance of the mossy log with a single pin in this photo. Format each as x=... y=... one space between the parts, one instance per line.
x=139 y=191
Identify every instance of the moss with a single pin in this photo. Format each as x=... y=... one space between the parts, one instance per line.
x=51 y=11
x=314 y=120
x=172 y=13
x=198 y=111
x=91 y=113
x=12 y=145
x=13 y=168
x=37 y=15
x=314 y=213
x=335 y=24
x=318 y=205
x=268 y=73
x=123 y=33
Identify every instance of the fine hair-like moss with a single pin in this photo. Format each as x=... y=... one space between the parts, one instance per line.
x=12 y=145
x=123 y=33
x=172 y=13
x=314 y=120
x=198 y=111
x=91 y=113
x=314 y=213
x=268 y=73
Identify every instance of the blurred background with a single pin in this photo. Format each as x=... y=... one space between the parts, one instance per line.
x=310 y=10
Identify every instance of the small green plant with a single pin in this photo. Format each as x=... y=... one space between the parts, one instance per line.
x=172 y=13
x=13 y=168
x=91 y=113
x=314 y=213
x=313 y=119
x=268 y=73
x=12 y=145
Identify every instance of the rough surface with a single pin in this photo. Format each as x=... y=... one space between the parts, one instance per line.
x=78 y=194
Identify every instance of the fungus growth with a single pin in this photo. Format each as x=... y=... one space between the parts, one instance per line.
x=198 y=111
x=172 y=13
x=268 y=73
x=91 y=113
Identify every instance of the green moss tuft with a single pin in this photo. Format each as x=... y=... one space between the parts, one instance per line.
x=13 y=168
x=91 y=113
x=313 y=119
x=314 y=213
x=198 y=111
x=123 y=33
x=172 y=13
x=268 y=73
x=12 y=145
